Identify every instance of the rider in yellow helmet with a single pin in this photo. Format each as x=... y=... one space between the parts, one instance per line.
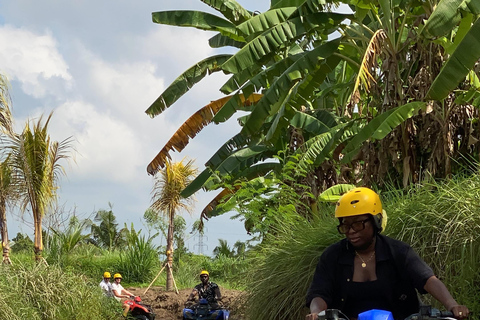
x=105 y=284
x=206 y=290
x=368 y=270
x=119 y=292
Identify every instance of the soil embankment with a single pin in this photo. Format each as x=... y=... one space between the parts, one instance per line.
x=169 y=305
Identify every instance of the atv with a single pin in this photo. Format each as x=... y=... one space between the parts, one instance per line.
x=138 y=310
x=202 y=310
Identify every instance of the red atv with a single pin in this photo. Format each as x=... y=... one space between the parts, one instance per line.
x=138 y=310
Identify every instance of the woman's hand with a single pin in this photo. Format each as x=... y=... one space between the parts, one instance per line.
x=311 y=316
x=460 y=312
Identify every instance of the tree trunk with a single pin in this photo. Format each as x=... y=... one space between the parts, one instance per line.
x=171 y=215
x=4 y=232
x=38 y=243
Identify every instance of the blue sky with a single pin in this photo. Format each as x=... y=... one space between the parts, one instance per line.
x=98 y=65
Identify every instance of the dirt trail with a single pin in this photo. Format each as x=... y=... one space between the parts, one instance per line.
x=169 y=305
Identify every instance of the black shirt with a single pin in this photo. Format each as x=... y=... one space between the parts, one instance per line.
x=399 y=272
x=207 y=293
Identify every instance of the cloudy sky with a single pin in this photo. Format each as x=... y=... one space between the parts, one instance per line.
x=98 y=65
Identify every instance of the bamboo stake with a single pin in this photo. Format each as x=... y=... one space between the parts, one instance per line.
x=156 y=278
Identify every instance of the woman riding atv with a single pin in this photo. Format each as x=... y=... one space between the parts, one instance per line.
x=367 y=270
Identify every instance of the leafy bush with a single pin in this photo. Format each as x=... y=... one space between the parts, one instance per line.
x=140 y=260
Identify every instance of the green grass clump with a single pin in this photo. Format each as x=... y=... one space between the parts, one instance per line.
x=37 y=291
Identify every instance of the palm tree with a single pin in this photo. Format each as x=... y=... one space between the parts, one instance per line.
x=7 y=194
x=7 y=190
x=105 y=234
x=36 y=168
x=223 y=249
x=6 y=119
x=166 y=199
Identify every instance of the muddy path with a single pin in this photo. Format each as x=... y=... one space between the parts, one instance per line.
x=169 y=305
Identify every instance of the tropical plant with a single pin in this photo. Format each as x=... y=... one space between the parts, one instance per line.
x=7 y=185
x=106 y=235
x=394 y=95
x=166 y=200
x=6 y=119
x=7 y=195
x=63 y=242
x=140 y=258
x=223 y=249
x=21 y=243
x=36 y=169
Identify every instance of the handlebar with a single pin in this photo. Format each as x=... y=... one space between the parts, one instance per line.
x=425 y=313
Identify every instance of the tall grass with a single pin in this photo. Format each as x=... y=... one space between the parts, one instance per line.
x=46 y=292
x=441 y=222
x=140 y=260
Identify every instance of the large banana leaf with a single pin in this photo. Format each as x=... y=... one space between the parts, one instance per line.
x=189 y=129
x=276 y=94
x=447 y=15
x=310 y=123
x=233 y=166
x=230 y=9
x=219 y=40
x=321 y=146
x=264 y=21
x=185 y=81
x=279 y=36
x=197 y=19
x=458 y=65
x=380 y=126
x=313 y=5
x=197 y=183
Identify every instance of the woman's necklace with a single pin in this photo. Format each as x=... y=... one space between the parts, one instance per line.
x=364 y=262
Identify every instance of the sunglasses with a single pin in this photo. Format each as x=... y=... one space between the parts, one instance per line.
x=203 y=276
x=356 y=226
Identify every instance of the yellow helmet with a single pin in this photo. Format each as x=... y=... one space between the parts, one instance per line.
x=106 y=274
x=360 y=201
x=205 y=272
x=117 y=275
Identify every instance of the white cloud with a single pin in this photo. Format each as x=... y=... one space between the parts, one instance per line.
x=32 y=59
x=107 y=148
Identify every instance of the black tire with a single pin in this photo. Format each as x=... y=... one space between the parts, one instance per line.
x=141 y=317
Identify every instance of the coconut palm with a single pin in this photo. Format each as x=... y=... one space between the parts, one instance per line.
x=7 y=190
x=7 y=194
x=36 y=168
x=5 y=113
x=167 y=200
x=106 y=234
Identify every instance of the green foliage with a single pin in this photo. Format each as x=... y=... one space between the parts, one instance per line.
x=61 y=243
x=22 y=243
x=46 y=292
x=106 y=234
x=441 y=222
x=139 y=260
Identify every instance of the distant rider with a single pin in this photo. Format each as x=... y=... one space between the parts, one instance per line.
x=206 y=290
x=105 y=284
